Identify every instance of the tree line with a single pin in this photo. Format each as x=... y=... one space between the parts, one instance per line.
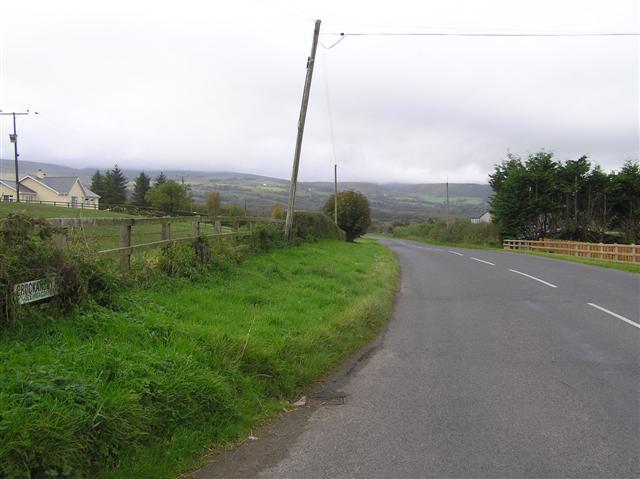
x=163 y=194
x=540 y=197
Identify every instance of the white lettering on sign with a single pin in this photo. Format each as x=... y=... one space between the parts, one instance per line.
x=35 y=290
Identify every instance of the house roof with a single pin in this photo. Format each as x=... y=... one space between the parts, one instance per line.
x=63 y=184
x=23 y=189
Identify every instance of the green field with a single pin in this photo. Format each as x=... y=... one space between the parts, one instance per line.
x=176 y=366
x=50 y=211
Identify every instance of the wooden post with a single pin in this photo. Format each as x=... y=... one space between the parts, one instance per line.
x=166 y=231
x=195 y=227
x=125 y=242
x=617 y=252
x=303 y=115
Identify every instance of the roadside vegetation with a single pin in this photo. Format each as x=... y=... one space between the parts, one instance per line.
x=460 y=233
x=178 y=355
x=540 y=197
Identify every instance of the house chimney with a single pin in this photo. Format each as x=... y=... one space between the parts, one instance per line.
x=40 y=174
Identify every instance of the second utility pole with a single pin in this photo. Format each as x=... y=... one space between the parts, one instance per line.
x=303 y=115
x=335 y=193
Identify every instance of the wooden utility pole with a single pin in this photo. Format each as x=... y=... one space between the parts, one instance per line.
x=301 y=120
x=335 y=193
x=447 y=203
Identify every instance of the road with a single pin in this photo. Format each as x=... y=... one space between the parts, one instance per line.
x=494 y=365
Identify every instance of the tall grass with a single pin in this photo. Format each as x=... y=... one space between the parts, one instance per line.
x=140 y=390
x=460 y=232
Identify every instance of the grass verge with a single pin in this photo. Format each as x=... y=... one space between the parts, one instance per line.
x=629 y=268
x=141 y=390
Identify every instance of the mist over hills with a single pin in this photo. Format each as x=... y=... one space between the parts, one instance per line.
x=389 y=201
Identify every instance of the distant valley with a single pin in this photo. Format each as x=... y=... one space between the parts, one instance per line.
x=392 y=201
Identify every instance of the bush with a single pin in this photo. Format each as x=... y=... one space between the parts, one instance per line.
x=460 y=231
x=28 y=252
x=353 y=213
x=309 y=226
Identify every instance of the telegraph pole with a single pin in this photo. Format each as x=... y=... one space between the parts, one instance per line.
x=447 y=203
x=335 y=193
x=14 y=139
x=303 y=115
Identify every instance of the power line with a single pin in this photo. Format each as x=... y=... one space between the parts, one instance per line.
x=463 y=34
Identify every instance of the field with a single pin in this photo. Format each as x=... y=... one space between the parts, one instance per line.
x=141 y=389
x=50 y=211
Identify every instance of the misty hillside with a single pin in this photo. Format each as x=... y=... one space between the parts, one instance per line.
x=392 y=201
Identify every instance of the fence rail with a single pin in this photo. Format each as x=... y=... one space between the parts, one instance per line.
x=617 y=253
x=66 y=204
x=191 y=230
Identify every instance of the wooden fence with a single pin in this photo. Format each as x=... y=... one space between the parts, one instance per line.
x=236 y=227
x=618 y=253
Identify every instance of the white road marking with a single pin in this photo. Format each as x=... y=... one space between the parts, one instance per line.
x=482 y=261
x=436 y=249
x=455 y=252
x=615 y=315
x=534 y=278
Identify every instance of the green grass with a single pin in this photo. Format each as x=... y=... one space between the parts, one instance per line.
x=181 y=366
x=50 y=211
x=629 y=268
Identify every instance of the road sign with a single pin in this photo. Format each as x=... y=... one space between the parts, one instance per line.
x=35 y=290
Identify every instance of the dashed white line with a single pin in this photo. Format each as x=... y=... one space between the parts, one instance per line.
x=482 y=261
x=615 y=315
x=455 y=252
x=438 y=250
x=534 y=278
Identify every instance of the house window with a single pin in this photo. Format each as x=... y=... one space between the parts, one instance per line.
x=7 y=197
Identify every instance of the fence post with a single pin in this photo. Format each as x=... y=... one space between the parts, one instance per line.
x=166 y=231
x=617 y=252
x=125 y=242
x=195 y=227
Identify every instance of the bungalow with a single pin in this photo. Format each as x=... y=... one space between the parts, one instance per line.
x=484 y=218
x=67 y=190
x=8 y=192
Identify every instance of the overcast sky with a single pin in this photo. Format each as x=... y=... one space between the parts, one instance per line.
x=212 y=85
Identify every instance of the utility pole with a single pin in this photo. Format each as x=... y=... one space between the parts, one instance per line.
x=447 y=203
x=303 y=115
x=14 y=139
x=335 y=193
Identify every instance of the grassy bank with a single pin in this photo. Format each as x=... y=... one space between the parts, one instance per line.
x=629 y=268
x=461 y=233
x=141 y=389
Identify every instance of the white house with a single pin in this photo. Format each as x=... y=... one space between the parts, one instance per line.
x=484 y=218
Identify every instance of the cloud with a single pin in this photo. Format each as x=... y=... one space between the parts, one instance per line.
x=213 y=86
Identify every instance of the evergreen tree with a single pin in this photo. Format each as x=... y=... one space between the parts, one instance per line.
x=97 y=183
x=160 y=179
x=141 y=186
x=115 y=187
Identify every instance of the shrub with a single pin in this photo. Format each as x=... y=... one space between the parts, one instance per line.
x=353 y=213
x=28 y=252
x=460 y=231
x=310 y=226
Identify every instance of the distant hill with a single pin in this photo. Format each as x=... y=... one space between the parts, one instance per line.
x=391 y=201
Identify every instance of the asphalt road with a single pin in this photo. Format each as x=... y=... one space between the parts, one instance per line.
x=486 y=373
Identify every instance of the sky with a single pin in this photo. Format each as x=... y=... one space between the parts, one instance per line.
x=216 y=86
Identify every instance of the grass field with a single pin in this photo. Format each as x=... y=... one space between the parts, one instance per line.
x=50 y=211
x=140 y=390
